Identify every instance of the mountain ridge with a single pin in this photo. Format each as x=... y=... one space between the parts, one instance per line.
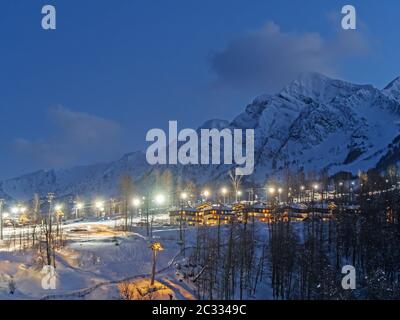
x=315 y=123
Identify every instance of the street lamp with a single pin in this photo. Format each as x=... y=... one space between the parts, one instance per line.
x=136 y=202
x=99 y=205
x=184 y=195
x=155 y=247
x=315 y=187
x=160 y=199
x=79 y=206
x=271 y=190
x=1 y=218
x=206 y=194
x=280 y=190
x=224 y=191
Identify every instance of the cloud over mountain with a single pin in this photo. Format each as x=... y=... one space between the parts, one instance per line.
x=78 y=137
x=268 y=58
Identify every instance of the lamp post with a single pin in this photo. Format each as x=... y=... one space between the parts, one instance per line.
x=238 y=195
x=159 y=199
x=314 y=188
x=1 y=218
x=183 y=199
x=99 y=205
x=279 y=194
x=271 y=191
x=79 y=206
x=49 y=240
x=224 y=192
x=352 y=191
x=206 y=194
x=50 y=197
x=302 y=188
x=136 y=204
x=155 y=247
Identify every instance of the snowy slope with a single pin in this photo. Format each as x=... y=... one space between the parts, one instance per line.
x=314 y=123
x=317 y=122
x=392 y=90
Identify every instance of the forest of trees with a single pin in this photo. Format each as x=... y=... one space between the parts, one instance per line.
x=304 y=260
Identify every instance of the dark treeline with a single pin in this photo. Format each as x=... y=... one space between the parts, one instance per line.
x=230 y=260
x=304 y=260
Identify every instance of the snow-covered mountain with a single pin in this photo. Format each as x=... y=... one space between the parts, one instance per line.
x=314 y=123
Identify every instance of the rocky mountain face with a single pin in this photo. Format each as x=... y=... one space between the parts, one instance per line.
x=315 y=123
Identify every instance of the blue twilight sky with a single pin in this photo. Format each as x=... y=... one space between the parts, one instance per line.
x=90 y=90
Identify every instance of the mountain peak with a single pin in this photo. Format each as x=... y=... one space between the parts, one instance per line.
x=215 y=124
x=313 y=76
x=392 y=90
x=392 y=84
x=320 y=88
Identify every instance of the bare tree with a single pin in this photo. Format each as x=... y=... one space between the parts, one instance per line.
x=126 y=188
x=236 y=181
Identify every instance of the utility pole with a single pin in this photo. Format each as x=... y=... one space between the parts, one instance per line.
x=1 y=218
x=50 y=197
x=49 y=240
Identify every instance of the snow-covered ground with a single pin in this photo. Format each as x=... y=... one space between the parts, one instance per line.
x=95 y=259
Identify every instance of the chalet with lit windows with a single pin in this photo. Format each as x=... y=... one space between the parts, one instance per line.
x=218 y=214
x=259 y=211
x=189 y=216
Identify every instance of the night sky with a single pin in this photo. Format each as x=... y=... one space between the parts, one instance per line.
x=89 y=91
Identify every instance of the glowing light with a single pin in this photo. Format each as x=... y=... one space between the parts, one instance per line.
x=136 y=202
x=206 y=193
x=239 y=193
x=302 y=188
x=315 y=186
x=23 y=209
x=58 y=207
x=160 y=199
x=99 y=205
x=184 y=195
x=280 y=190
x=271 y=190
x=224 y=190
x=14 y=210
x=156 y=246
x=79 y=205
